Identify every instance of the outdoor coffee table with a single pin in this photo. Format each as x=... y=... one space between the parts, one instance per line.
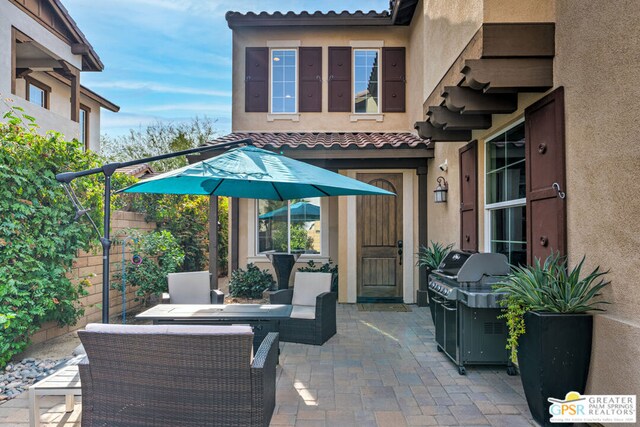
x=264 y=318
x=65 y=382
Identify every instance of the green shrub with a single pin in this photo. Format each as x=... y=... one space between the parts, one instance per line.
x=39 y=238
x=431 y=256
x=161 y=254
x=250 y=283
x=548 y=287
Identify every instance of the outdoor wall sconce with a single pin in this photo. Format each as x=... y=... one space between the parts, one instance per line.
x=441 y=190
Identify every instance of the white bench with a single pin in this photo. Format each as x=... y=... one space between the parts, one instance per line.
x=65 y=382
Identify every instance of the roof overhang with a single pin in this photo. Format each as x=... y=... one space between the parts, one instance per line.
x=500 y=61
x=64 y=27
x=317 y=147
x=85 y=91
x=400 y=13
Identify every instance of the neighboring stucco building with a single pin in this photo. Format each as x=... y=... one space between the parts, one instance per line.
x=43 y=56
x=528 y=109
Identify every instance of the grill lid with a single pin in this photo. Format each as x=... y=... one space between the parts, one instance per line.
x=483 y=264
x=452 y=263
x=471 y=268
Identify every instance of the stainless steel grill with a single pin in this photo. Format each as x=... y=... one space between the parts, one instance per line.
x=465 y=309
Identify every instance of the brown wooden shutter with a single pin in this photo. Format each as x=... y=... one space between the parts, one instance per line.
x=393 y=79
x=545 y=166
x=310 y=79
x=340 y=79
x=469 y=197
x=256 y=81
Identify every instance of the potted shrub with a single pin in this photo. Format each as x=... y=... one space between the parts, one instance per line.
x=547 y=309
x=430 y=258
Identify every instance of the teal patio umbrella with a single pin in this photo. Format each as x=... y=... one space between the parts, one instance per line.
x=300 y=211
x=250 y=172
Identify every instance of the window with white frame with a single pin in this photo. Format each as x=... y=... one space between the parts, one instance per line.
x=84 y=127
x=289 y=226
x=366 y=78
x=505 y=195
x=284 y=84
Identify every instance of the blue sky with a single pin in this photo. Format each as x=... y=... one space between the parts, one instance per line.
x=170 y=60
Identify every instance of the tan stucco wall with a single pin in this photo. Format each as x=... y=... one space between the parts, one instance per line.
x=519 y=10
x=324 y=121
x=443 y=219
x=448 y=27
x=416 y=65
x=598 y=52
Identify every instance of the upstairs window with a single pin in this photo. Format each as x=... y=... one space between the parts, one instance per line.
x=366 y=73
x=506 y=195
x=37 y=93
x=284 y=81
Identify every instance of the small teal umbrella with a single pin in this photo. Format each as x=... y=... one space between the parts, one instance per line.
x=300 y=211
x=253 y=173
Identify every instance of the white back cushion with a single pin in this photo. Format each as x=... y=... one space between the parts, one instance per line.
x=189 y=288
x=307 y=286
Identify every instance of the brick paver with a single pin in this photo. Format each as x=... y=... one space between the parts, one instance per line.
x=381 y=369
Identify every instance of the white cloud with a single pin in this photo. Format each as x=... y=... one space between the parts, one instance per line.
x=158 y=87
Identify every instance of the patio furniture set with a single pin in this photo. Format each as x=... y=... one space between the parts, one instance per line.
x=198 y=364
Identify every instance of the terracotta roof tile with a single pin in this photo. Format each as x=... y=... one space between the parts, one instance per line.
x=320 y=140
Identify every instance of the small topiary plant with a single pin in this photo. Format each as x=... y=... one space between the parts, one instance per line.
x=250 y=283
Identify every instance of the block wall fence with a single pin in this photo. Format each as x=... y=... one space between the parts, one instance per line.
x=89 y=265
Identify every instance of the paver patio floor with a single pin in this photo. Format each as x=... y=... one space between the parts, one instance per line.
x=381 y=369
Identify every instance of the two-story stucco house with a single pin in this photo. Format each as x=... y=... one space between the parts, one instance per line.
x=42 y=56
x=528 y=110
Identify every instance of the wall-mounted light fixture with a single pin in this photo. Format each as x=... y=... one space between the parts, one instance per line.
x=441 y=190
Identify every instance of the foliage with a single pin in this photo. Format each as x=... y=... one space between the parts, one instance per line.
x=327 y=267
x=431 y=256
x=161 y=254
x=38 y=235
x=160 y=138
x=250 y=283
x=548 y=287
x=186 y=217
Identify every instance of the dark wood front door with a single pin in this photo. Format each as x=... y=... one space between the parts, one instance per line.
x=379 y=222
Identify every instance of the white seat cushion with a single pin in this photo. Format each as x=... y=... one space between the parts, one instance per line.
x=303 y=312
x=307 y=286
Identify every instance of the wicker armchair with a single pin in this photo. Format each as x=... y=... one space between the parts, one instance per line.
x=176 y=375
x=313 y=317
x=191 y=287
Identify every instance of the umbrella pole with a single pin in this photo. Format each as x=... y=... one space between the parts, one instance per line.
x=213 y=241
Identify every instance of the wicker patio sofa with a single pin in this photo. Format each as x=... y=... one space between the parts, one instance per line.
x=313 y=316
x=176 y=375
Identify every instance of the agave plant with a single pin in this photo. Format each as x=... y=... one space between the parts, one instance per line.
x=548 y=287
x=552 y=287
x=431 y=256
